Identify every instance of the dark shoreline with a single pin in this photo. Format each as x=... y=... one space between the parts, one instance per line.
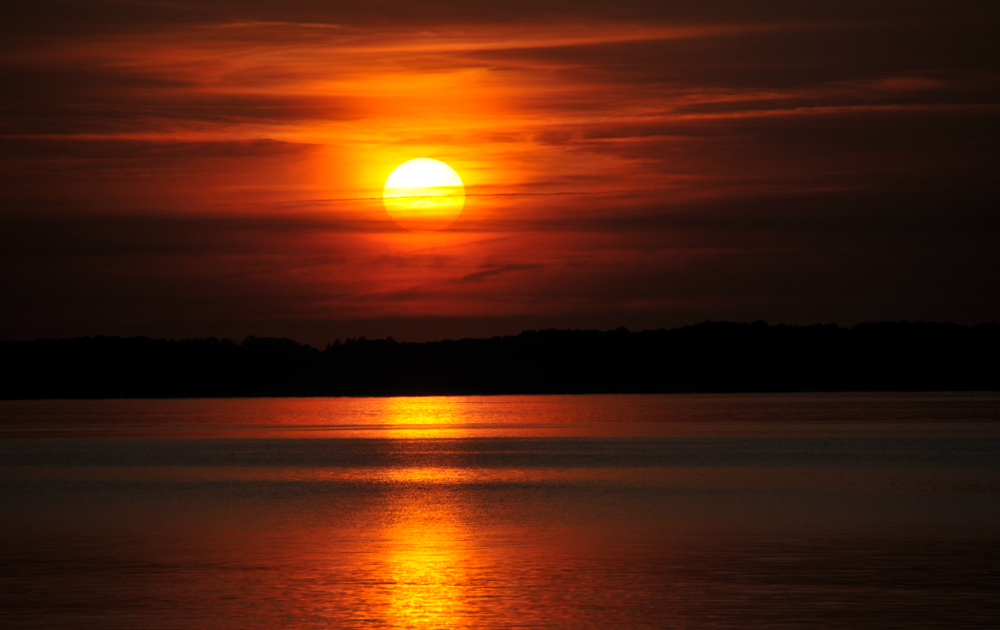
x=713 y=357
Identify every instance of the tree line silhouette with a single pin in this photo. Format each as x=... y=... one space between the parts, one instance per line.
x=708 y=357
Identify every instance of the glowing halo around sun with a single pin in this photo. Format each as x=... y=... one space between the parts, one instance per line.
x=424 y=195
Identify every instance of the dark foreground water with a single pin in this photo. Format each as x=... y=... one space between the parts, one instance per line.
x=770 y=511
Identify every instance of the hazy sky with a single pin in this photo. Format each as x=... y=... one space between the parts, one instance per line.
x=215 y=168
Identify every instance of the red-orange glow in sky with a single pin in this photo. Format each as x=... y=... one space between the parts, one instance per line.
x=217 y=168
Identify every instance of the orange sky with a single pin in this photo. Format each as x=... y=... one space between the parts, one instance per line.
x=216 y=168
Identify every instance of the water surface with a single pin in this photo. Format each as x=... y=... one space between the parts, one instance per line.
x=673 y=511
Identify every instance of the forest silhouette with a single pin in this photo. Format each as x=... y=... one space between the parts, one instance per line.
x=708 y=357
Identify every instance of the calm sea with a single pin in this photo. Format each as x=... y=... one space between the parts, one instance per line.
x=673 y=511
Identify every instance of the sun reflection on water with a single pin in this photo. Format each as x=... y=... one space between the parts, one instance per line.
x=427 y=548
x=424 y=417
x=427 y=556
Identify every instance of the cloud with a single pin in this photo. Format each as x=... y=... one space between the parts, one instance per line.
x=493 y=271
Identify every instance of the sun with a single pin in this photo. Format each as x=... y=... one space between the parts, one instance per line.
x=424 y=195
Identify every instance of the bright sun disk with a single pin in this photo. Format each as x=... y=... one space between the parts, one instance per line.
x=424 y=195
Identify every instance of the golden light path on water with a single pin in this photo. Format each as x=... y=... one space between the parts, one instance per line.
x=427 y=553
x=425 y=547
